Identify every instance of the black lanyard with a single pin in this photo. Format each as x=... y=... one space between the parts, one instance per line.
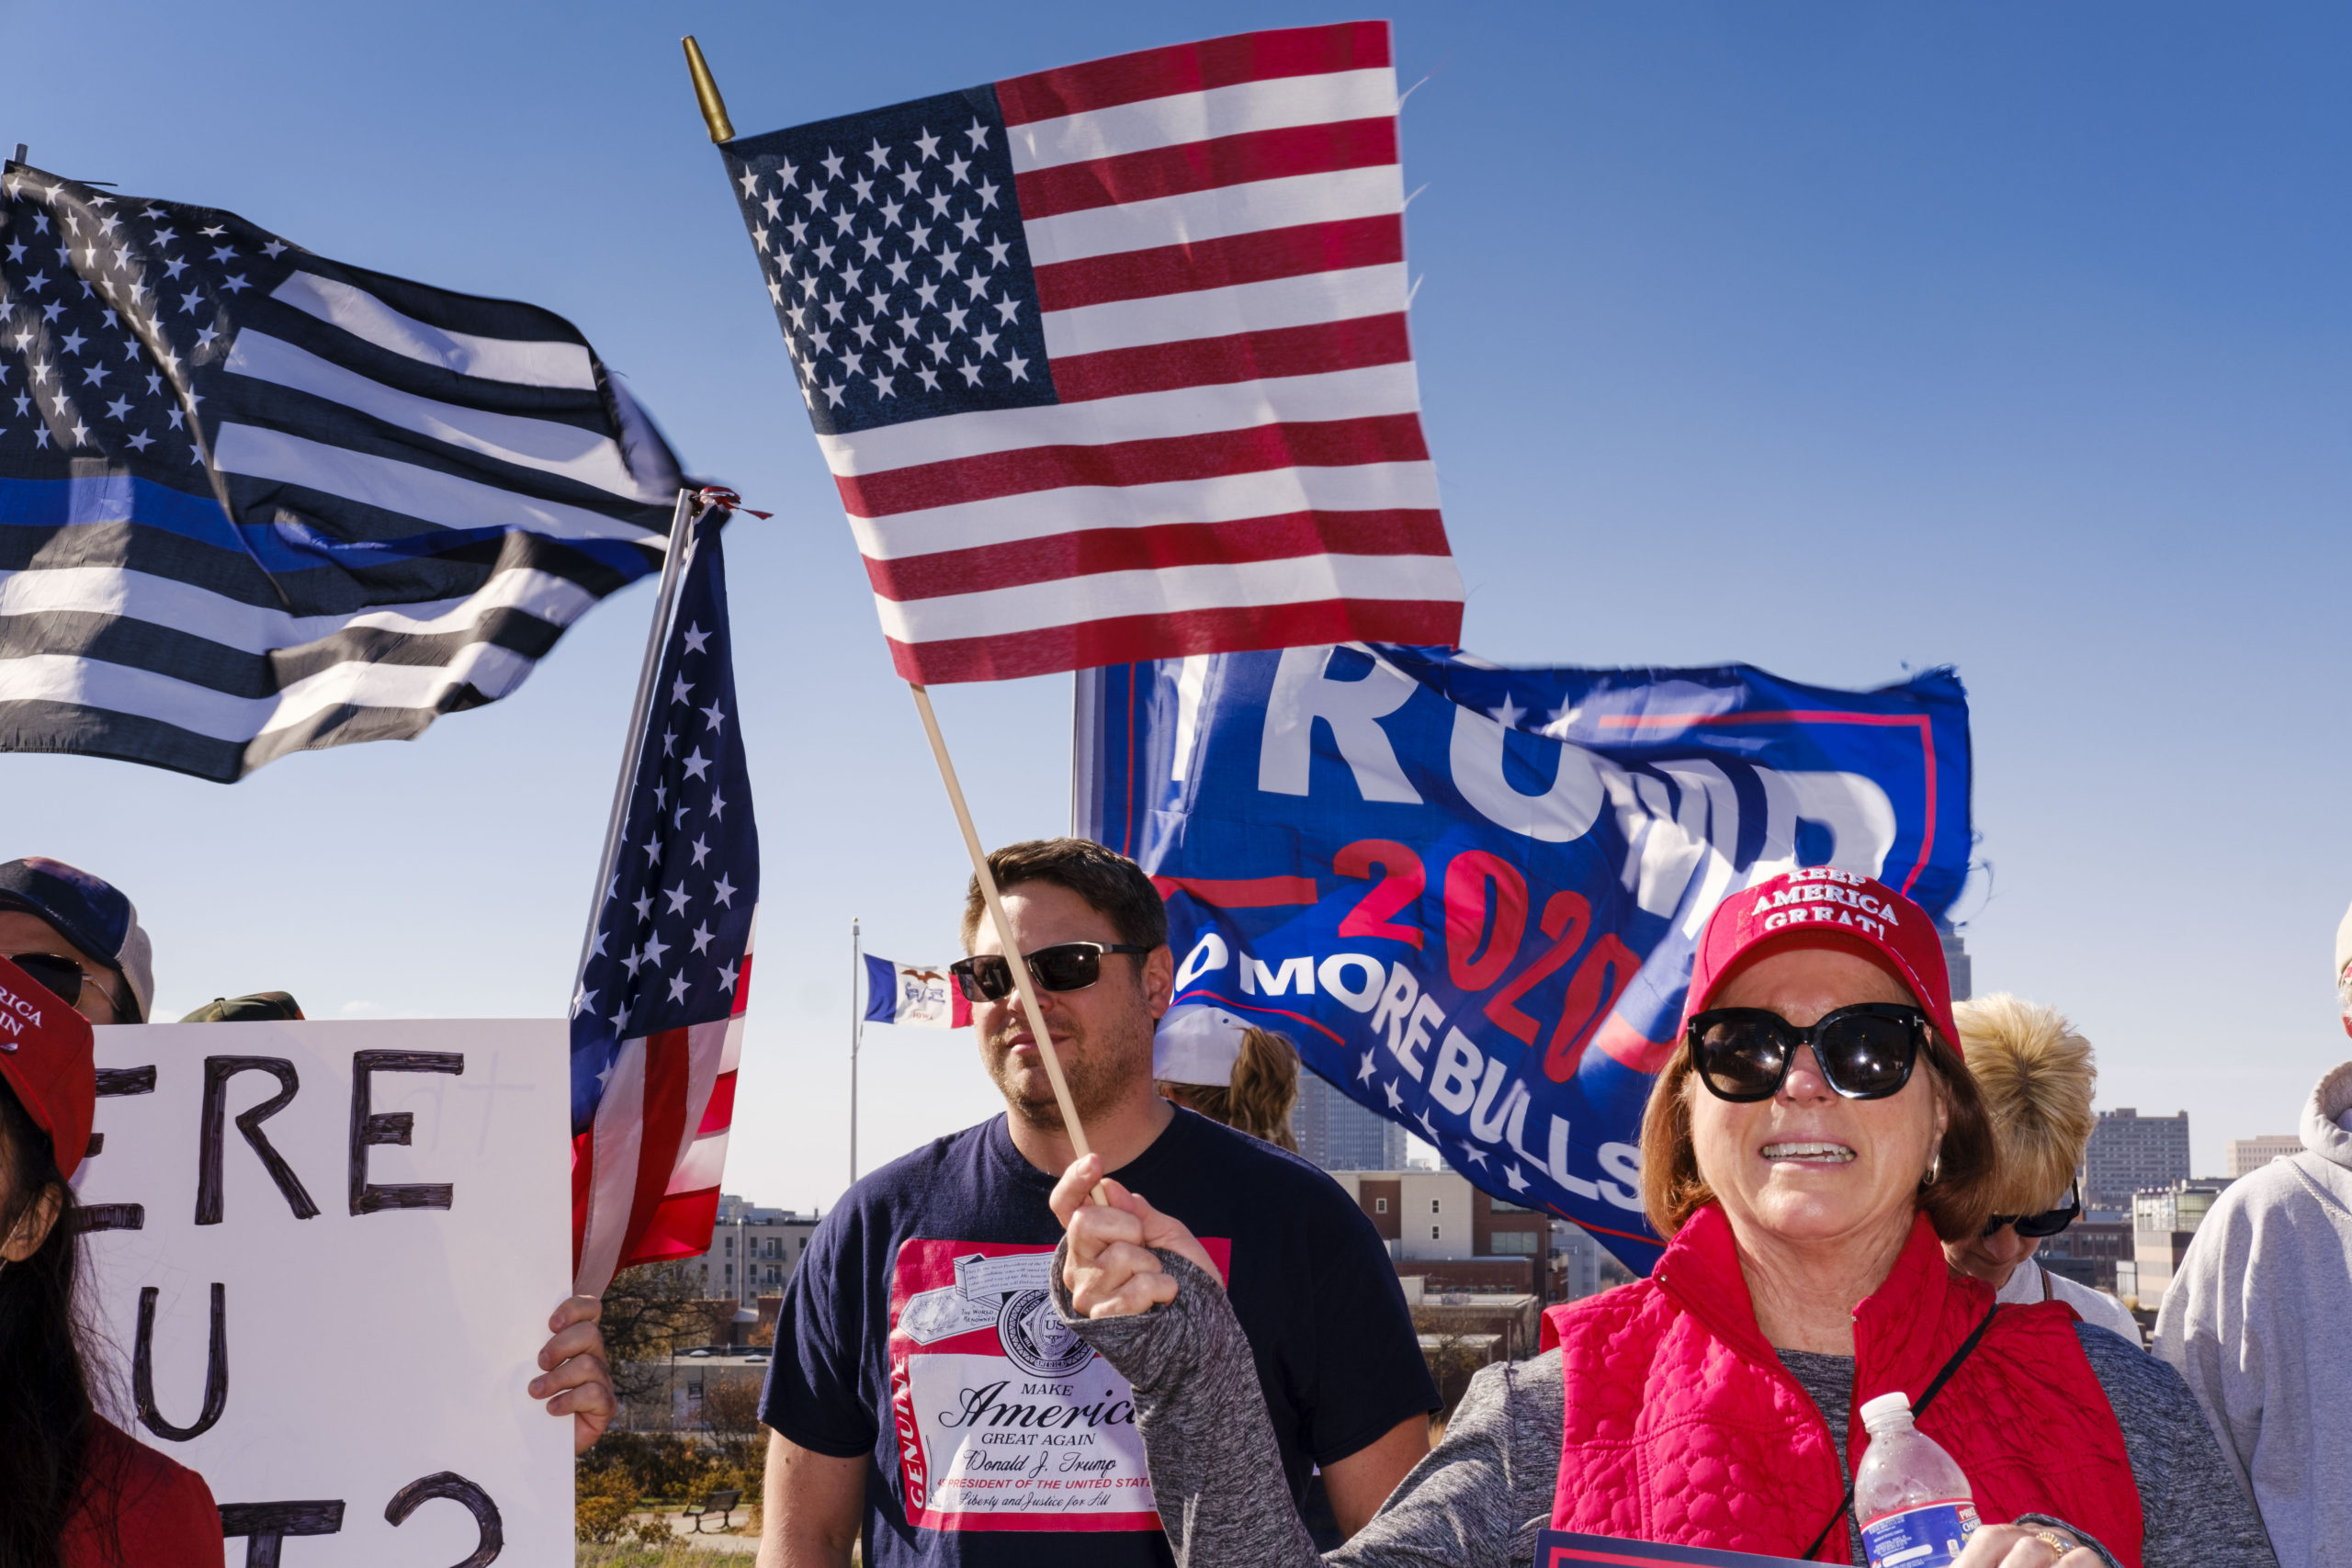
x=1918 y=1408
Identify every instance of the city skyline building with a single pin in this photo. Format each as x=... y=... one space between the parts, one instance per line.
x=1336 y=1133
x=2129 y=1151
x=2244 y=1156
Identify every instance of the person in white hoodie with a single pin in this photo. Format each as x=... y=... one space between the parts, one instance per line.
x=2259 y=1321
x=2037 y=1077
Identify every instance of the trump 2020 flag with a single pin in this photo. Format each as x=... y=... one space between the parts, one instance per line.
x=1110 y=361
x=919 y=994
x=1471 y=894
x=255 y=501
x=657 y=1016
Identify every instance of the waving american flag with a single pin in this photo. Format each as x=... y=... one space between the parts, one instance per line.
x=657 y=1016
x=1110 y=361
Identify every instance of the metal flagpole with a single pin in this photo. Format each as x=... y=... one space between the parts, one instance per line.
x=858 y=1027
x=681 y=530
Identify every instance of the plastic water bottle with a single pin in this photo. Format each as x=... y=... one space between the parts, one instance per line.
x=1915 y=1504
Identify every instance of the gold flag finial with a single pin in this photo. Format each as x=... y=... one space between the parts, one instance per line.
x=714 y=107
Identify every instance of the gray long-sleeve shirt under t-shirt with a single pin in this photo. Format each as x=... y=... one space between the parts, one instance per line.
x=1479 y=1499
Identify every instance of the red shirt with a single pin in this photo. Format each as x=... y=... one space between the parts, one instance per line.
x=160 y=1513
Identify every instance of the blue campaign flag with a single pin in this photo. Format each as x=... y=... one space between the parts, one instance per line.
x=1471 y=894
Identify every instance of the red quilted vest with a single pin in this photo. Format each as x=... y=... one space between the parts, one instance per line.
x=1684 y=1427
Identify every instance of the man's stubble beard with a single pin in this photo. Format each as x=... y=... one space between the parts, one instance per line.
x=1099 y=1071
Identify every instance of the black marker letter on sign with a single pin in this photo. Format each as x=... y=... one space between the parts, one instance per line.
x=369 y=1126
x=264 y=1525
x=218 y=1071
x=216 y=1370
x=114 y=1081
x=450 y=1485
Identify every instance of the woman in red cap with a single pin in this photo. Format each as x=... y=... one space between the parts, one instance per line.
x=1812 y=1139
x=76 y=1492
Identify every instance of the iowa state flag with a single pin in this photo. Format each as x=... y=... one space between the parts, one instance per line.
x=923 y=994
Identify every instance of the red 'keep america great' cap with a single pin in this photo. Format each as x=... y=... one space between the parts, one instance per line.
x=1822 y=907
x=46 y=1055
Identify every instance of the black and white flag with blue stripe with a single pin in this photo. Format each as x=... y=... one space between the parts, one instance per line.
x=253 y=502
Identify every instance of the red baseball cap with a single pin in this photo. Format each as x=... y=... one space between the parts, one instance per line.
x=46 y=1055
x=1823 y=906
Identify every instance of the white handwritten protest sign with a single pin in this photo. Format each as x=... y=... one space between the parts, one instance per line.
x=325 y=1255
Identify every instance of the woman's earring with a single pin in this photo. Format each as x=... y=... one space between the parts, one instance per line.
x=1935 y=1168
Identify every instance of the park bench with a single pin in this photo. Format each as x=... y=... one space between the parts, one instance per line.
x=720 y=1503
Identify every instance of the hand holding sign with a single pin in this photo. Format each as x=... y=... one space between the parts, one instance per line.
x=578 y=1376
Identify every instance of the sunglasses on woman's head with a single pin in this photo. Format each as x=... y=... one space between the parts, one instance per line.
x=1065 y=966
x=1866 y=1051
x=2048 y=1222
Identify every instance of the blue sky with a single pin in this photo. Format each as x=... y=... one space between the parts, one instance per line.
x=1840 y=338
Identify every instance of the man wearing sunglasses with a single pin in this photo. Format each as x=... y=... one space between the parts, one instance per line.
x=924 y=1395
x=78 y=936
x=2038 y=1078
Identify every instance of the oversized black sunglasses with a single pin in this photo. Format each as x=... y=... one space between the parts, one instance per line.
x=1866 y=1051
x=1065 y=966
x=60 y=976
x=2048 y=1223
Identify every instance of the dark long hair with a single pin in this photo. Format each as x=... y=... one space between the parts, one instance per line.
x=45 y=1410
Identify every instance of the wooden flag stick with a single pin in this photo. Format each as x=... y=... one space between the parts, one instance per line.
x=986 y=879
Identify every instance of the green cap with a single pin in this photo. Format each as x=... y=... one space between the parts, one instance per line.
x=262 y=1006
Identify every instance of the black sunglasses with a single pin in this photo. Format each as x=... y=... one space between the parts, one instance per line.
x=1866 y=1051
x=2050 y=1222
x=1065 y=966
x=59 y=975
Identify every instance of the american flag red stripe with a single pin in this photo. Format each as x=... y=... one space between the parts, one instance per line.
x=1232 y=454
x=1122 y=639
x=1158 y=172
x=1393 y=533
x=1391 y=438
x=1194 y=68
x=1239 y=356
x=641 y=1155
x=1190 y=267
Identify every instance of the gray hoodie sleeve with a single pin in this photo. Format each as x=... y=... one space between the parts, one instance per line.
x=1476 y=1502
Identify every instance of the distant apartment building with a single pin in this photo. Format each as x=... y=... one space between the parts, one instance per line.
x=2163 y=1219
x=2129 y=1153
x=753 y=1251
x=1336 y=1134
x=2244 y=1156
x=2088 y=1251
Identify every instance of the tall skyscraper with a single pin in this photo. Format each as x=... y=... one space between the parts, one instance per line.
x=1338 y=1134
x=1957 y=962
x=2129 y=1151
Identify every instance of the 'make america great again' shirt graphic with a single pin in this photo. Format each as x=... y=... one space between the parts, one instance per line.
x=1005 y=1419
x=917 y=1330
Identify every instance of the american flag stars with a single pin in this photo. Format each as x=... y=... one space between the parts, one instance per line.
x=893 y=255
x=109 y=305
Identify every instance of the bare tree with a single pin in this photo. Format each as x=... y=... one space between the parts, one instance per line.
x=731 y=1405
x=647 y=1310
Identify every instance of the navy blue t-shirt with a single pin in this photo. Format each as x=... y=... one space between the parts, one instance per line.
x=918 y=1330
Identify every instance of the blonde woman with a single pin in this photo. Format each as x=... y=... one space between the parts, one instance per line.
x=1230 y=1070
x=2037 y=1077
